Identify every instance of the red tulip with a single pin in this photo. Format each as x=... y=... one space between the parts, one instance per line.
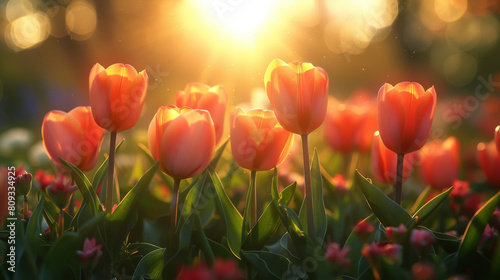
x=201 y=96
x=117 y=95
x=298 y=93
x=489 y=160
x=405 y=113
x=440 y=163
x=183 y=140
x=342 y=126
x=73 y=136
x=258 y=141
x=384 y=162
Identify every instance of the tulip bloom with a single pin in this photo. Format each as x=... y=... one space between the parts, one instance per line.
x=440 y=163
x=74 y=137
x=384 y=162
x=298 y=93
x=117 y=95
x=405 y=113
x=183 y=140
x=201 y=96
x=489 y=160
x=342 y=126
x=258 y=141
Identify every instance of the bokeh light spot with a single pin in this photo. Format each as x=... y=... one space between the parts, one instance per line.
x=81 y=19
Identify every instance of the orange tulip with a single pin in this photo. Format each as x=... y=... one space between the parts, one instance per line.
x=405 y=113
x=298 y=93
x=342 y=126
x=201 y=96
x=258 y=141
x=74 y=137
x=384 y=162
x=440 y=162
x=117 y=95
x=183 y=140
x=489 y=160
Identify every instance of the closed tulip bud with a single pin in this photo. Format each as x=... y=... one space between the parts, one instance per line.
x=90 y=254
x=384 y=162
x=342 y=126
x=489 y=161
x=376 y=251
x=363 y=230
x=183 y=140
x=440 y=163
x=334 y=254
x=201 y=96
x=73 y=136
x=422 y=240
x=298 y=93
x=61 y=191
x=117 y=95
x=396 y=234
x=405 y=113
x=258 y=141
x=23 y=183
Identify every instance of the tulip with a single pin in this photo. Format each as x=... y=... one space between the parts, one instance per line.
x=363 y=230
x=489 y=161
x=201 y=96
x=440 y=162
x=298 y=93
x=342 y=124
x=23 y=187
x=338 y=256
x=405 y=113
x=90 y=254
x=60 y=193
x=183 y=140
x=422 y=240
x=73 y=136
x=258 y=142
x=117 y=95
x=384 y=162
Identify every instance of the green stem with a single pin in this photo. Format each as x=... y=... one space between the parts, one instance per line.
x=399 y=179
x=111 y=169
x=253 y=212
x=60 y=223
x=25 y=208
x=174 y=203
x=308 y=185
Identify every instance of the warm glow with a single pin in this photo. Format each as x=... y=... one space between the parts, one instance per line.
x=81 y=19
x=27 y=31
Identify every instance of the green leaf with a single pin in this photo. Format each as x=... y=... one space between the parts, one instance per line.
x=25 y=260
x=450 y=243
x=269 y=221
x=218 y=154
x=388 y=212
x=355 y=245
x=166 y=179
x=420 y=199
x=34 y=229
x=150 y=266
x=268 y=265
x=249 y=207
x=84 y=186
x=119 y=223
x=319 y=213
x=476 y=227
x=232 y=217
x=425 y=211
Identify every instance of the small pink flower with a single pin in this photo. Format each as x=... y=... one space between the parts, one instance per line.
x=363 y=230
x=376 y=251
x=460 y=189
x=338 y=256
x=489 y=240
x=60 y=191
x=43 y=179
x=90 y=254
x=395 y=234
x=422 y=240
x=227 y=269
x=423 y=271
x=197 y=272
x=338 y=181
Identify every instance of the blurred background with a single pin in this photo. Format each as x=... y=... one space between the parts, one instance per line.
x=49 y=46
